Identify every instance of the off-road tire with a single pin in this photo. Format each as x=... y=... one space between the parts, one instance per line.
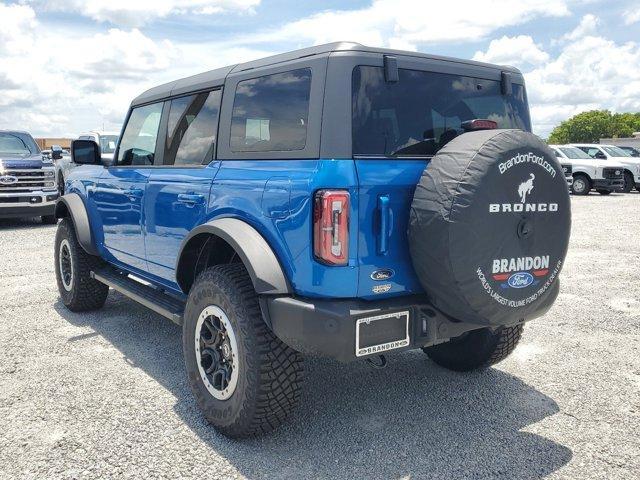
x=587 y=184
x=603 y=192
x=629 y=183
x=476 y=349
x=85 y=293
x=49 y=219
x=270 y=372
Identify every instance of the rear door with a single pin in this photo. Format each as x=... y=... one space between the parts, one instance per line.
x=120 y=191
x=178 y=190
x=397 y=127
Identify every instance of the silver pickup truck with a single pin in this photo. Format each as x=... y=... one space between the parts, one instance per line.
x=27 y=178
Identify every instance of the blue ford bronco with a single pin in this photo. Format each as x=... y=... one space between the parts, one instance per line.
x=340 y=200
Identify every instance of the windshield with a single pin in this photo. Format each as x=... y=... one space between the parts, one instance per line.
x=13 y=144
x=616 y=152
x=423 y=111
x=108 y=143
x=573 y=152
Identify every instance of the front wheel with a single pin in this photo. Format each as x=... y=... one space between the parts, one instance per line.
x=476 y=349
x=245 y=380
x=581 y=185
x=78 y=291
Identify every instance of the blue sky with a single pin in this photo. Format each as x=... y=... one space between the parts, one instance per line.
x=68 y=66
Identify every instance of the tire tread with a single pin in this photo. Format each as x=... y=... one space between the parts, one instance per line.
x=274 y=390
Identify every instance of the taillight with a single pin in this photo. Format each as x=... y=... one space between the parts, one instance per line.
x=331 y=226
x=479 y=124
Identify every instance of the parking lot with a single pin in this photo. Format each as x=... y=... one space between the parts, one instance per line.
x=104 y=394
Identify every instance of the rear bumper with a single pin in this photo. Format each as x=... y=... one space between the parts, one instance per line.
x=328 y=327
x=27 y=204
x=613 y=184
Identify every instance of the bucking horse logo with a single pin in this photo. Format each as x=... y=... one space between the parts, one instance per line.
x=525 y=188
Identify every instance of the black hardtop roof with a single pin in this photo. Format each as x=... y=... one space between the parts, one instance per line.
x=217 y=77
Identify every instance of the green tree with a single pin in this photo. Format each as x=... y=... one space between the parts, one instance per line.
x=591 y=126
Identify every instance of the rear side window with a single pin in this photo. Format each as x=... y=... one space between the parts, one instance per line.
x=138 y=143
x=270 y=113
x=423 y=111
x=191 y=129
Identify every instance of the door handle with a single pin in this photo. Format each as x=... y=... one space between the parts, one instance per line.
x=134 y=193
x=385 y=221
x=191 y=199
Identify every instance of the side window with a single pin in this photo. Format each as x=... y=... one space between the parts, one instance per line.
x=270 y=113
x=595 y=153
x=138 y=143
x=192 y=128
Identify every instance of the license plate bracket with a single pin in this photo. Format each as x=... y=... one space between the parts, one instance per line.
x=382 y=333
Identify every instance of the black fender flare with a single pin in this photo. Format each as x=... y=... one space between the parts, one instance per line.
x=72 y=205
x=261 y=262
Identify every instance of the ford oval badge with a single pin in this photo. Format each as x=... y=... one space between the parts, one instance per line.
x=384 y=274
x=520 y=280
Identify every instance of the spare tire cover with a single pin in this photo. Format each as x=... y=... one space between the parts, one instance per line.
x=489 y=227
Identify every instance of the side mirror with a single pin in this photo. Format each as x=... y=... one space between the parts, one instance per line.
x=600 y=155
x=56 y=152
x=85 y=152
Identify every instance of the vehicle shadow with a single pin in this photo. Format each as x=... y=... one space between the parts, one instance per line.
x=412 y=419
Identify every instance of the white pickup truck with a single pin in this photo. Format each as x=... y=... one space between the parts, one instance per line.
x=106 y=141
x=617 y=155
x=602 y=175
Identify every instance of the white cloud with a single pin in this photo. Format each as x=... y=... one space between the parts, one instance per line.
x=632 y=16
x=588 y=25
x=16 y=20
x=591 y=72
x=57 y=82
x=515 y=51
x=135 y=13
x=408 y=23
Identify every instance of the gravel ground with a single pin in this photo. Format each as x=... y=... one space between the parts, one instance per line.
x=104 y=395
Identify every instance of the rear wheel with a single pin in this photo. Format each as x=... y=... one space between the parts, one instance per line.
x=245 y=380
x=581 y=185
x=476 y=349
x=78 y=291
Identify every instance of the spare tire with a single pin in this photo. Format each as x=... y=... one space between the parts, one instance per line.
x=489 y=227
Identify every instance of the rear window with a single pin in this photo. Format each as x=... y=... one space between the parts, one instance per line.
x=423 y=111
x=270 y=113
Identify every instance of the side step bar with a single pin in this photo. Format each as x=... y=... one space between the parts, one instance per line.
x=154 y=299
